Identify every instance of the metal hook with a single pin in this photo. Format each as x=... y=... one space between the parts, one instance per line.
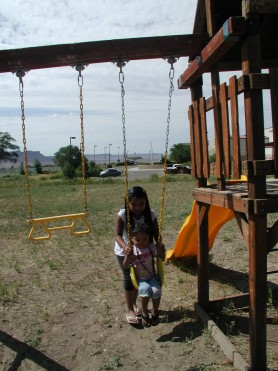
x=121 y=63
x=20 y=74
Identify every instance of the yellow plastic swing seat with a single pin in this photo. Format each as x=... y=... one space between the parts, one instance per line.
x=159 y=270
x=41 y=224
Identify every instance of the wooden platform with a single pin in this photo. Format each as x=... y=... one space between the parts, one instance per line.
x=235 y=197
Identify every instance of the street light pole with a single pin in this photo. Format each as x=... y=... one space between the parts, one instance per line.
x=95 y=153
x=71 y=139
x=109 y=153
x=105 y=155
x=119 y=154
x=70 y=149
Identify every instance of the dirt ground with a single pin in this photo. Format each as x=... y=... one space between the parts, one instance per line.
x=64 y=310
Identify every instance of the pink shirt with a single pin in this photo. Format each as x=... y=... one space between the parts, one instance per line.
x=143 y=261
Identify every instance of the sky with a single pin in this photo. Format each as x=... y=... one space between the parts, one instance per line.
x=51 y=95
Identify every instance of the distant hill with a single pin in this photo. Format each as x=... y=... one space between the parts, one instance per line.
x=99 y=158
x=32 y=156
x=35 y=155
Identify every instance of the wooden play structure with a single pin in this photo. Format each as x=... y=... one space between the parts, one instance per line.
x=236 y=35
x=242 y=38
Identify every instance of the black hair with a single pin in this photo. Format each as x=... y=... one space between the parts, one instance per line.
x=139 y=192
x=141 y=228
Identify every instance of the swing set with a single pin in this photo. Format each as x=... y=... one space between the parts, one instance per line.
x=158 y=260
x=45 y=225
x=42 y=228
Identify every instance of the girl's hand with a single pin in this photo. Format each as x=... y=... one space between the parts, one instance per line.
x=128 y=250
x=161 y=250
x=160 y=246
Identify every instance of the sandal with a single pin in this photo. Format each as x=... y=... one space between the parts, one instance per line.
x=131 y=319
x=137 y=311
x=155 y=319
x=146 y=322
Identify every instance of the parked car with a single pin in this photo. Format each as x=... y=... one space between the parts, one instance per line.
x=178 y=169
x=110 y=172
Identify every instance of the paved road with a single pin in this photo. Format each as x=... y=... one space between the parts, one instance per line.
x=136 y=173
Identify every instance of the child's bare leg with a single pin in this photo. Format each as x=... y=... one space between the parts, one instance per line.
x=156 y=303
x=145 y=315
x=130 y=296
x=134 y=297
x=155 y=312
x=144 y=302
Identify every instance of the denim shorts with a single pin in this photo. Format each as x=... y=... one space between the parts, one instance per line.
x=149 y=288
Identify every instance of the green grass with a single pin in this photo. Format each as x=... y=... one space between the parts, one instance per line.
x=39 y=280
x=51 y=197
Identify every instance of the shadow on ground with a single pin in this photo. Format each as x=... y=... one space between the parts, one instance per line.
x=24 y=351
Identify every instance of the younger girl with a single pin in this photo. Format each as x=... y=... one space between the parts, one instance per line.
x=140 y=213
x=142 y=256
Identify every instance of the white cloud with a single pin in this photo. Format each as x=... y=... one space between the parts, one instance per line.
x=51 y=96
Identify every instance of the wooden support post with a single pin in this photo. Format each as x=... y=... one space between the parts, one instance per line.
x=257 y=290
x=196 y=94
x=274 y=106
x=235 y=127
x=218 y=129
x=251 y=63
x=225 y=130
x=203 y=255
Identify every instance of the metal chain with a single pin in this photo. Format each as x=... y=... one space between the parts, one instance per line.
x=80 y=68
x=121 y=64
x=170 y=60
x=20 y=74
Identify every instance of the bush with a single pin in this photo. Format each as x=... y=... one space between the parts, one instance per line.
x=69 y=171
x=21 y=169
x=38 y=166
x=93 y=170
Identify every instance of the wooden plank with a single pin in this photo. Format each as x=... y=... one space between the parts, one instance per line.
x=259 y=81
x=235 y=127
x=257 y=244
x=225 y=130
x=192 y=141
x=243 y=226
x=209 y=104
x=257 y=289
x=274 y=105
x=217 y=126
x=244 y=83
x=202 y=197
x=253 y=104
x=258 y=168
x=237 y=301
x=210 y=17
x=227 y=347
x=224 y=199
x=198 y=140
x=204 y=137
x=101 y=51
x=225 y=38
x=259 y=7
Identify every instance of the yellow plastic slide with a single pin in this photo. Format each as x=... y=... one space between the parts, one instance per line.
x=186 y=243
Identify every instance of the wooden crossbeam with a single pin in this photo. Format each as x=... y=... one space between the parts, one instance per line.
x=260 y=7
x=101 y=51
x=225 y=38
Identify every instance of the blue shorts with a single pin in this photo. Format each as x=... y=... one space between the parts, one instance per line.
x=149 y=288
